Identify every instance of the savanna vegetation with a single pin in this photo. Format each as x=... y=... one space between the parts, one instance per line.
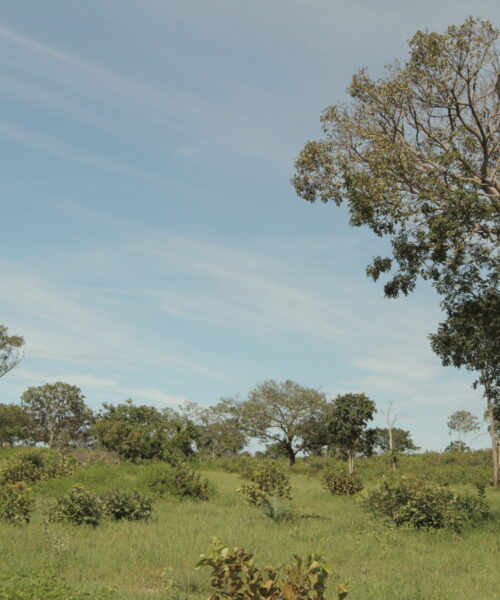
x=108 y=530
x=135 y=502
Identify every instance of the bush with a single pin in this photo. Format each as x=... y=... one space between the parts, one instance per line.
x=118 y=504
x=78 y=506
x=36 y=465
x=181 y=482
x=235 y=576
x=417 y=503
x=268 y=482
x=16 y=503
x=340 y=483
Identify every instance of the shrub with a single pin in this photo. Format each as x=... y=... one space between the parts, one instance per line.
x=412 y=501
x=78 y=506
x=235 y=576
x=119 y=504
x=35 y=465
x=268 y=482
x=16 y=503
x=181 y=482
x=340 y=483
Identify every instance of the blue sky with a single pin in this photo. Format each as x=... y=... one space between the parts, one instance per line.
x=151 y=244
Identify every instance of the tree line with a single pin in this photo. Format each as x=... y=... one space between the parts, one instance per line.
x=288 y=418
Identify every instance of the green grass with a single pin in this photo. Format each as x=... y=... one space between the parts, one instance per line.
x=156 y=559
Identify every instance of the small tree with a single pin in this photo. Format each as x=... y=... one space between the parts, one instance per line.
x=281 y=413
x=58 y=413
x=463 y=422
x=143 y=432
x=349 y=417
x=14 y=424
x=10 y=350
x=219 y=431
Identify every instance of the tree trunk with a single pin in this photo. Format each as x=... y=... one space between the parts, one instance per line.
x=494 y=443
x=350 y=463
x=394 y=462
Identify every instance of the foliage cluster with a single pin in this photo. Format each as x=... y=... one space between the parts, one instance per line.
x=417 y=503
x=35 y=465
x=16 y=503
x=118 y=504
x=267 y=482
x=340 y=483
x=80 y=506
x=236 y=577
x=144 y=432
x=181 y=482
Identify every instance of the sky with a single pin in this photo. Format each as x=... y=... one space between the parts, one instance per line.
x=152 y=246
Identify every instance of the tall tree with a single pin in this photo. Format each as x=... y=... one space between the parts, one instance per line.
x=348 y=425
x=415 y=156
x=58 y=414
x=281 y=413
x=10 y=350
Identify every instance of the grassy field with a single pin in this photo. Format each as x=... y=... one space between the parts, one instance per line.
x=156 y=559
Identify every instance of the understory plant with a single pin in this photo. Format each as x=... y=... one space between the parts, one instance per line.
x=340 y=483
x=35 y=465
x=235 y=576
x=412 y=501
x=78 y=506
x=181 y=482
x=16 y=503
x=118 y=504
x=44 y=584
x=267 y=482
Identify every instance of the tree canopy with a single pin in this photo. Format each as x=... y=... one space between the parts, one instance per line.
x=143 y=432
x=281 y=413
x=415 y=156
x=348 y=425
x=58 y=413
x=10 y=350
x=14 y=425
x=219 y=432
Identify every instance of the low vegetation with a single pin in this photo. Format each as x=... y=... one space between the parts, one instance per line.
x=410 y=501
x=235 y=576
x=16 y=503
x=267 y=482
x=155 y=556
x=340 y=483
x=180 y=482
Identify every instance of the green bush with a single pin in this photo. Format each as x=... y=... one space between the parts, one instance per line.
x=35 y=465
x=417 y=503
x=16 y=503
x=234 y=576
x=340 y=483
x=181 y=482
x=44 y=585
x=119 y=504
x=78 y=506
x=268 y=482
